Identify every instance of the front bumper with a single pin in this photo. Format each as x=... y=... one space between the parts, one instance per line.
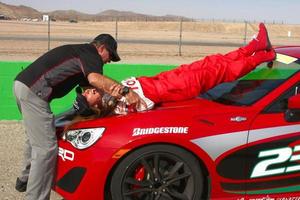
x=82 y=174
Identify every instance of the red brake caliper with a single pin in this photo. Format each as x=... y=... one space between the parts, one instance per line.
x=139 y=175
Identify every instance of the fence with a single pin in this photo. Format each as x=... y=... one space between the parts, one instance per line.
x=180 y=41
x=171 y=38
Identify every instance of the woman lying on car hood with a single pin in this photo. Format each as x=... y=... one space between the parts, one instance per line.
x=184 y=82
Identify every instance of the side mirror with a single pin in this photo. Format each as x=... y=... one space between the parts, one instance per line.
x=293 y=112
x=294 y=102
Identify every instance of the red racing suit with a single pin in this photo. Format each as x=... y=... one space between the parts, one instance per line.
x=189 y=80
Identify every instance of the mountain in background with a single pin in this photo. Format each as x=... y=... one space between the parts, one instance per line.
x=19 y=12
x=132 y=16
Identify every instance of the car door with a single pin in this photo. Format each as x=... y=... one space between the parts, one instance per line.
x=273 y=161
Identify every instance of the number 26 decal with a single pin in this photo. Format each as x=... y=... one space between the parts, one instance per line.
x=282 y=155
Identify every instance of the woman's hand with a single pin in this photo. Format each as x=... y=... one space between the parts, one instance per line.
x=134 y=100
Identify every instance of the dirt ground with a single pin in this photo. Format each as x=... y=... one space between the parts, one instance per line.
x=12 y=135
x=12 y=139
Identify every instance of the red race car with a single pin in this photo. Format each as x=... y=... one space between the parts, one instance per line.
x=239 y=140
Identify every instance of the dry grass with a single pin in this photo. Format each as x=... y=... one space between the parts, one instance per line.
x=217 y=32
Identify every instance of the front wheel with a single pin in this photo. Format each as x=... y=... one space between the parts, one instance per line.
x=158 y=172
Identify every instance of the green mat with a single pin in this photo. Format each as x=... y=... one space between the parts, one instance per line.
x=9 y=70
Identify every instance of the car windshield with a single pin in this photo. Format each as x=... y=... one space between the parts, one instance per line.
x=253 y=86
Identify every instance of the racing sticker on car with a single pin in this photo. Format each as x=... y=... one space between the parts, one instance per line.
x=268 y=167
x=65 y=154
x=275 y=157
x=160 y=130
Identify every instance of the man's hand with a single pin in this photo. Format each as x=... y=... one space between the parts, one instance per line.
x=115 y=90
x=131 y=97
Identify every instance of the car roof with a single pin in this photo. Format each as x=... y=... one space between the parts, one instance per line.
x=293 y=51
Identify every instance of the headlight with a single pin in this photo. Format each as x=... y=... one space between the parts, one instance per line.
x=83 y=138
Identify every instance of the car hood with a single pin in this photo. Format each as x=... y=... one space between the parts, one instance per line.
x=200 y=117
x=172 y=111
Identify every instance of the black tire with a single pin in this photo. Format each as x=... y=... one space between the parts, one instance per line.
x=158 y=172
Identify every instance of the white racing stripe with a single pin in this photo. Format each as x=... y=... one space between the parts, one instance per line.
x=218 y=144
x=260 y=134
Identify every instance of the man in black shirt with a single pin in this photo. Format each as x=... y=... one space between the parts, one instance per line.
x=53 y=75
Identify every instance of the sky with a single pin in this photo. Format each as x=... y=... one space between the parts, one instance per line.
x=286 y=11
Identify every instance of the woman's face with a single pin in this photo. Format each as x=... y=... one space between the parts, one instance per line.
x=93 y=97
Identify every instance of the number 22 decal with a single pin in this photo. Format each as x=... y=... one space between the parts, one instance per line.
x=282 y=155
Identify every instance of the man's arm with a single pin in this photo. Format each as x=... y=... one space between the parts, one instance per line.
x=113 y=88
x=103 y=83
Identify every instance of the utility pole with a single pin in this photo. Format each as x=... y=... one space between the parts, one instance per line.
x=180 y=37
x=116 y=35
x=245 y=34
x=49 y=19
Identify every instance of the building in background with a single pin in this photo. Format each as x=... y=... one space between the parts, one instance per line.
x=45 y=18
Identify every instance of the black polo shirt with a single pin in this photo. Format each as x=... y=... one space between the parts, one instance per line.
x=58 y=71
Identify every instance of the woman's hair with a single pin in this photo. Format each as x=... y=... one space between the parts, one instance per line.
x=104 y=110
